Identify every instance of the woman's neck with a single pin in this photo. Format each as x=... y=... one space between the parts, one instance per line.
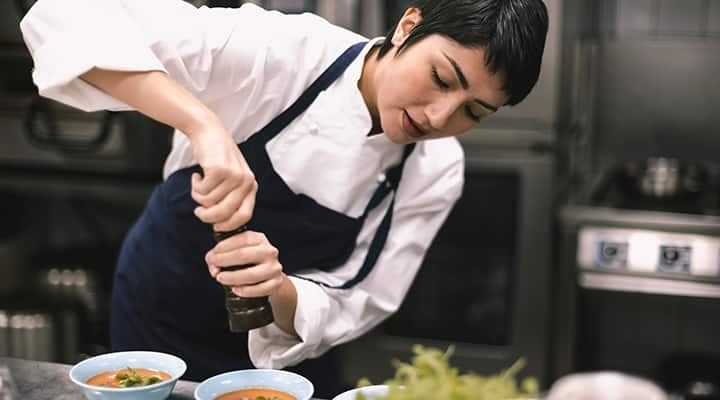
x=366 y=84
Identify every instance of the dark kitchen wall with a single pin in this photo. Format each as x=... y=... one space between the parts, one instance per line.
x=657 y=79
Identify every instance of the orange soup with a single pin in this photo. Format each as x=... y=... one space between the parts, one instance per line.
x=128 y=377
x=255 y=394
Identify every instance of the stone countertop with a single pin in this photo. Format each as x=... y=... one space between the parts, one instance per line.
x=38 y=380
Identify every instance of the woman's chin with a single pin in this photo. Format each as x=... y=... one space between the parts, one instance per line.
x=397 y=136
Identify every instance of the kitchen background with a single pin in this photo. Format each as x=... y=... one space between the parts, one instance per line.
x=587 y=238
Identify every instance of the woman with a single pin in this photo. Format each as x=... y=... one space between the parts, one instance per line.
x=316 y=138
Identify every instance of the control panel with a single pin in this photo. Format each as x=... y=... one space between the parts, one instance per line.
x=648 y=252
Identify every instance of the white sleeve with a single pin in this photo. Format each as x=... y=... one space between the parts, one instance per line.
x=67 y=38
x=327 y=317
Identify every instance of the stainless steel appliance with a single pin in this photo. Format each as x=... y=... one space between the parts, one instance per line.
x=638 y=285
x=72 y=182
x=54 y=318
x=484 y=284
x=637 y=279
x=40 y=134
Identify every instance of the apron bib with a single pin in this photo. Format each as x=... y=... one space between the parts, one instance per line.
x=164 y=299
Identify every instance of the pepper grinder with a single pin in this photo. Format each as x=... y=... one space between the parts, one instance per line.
x=244 y=313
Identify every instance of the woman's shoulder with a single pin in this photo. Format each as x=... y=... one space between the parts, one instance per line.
x=294 y=33
x=299 y=46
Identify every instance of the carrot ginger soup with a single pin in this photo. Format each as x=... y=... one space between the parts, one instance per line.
x=128 y=377
x=256 y=394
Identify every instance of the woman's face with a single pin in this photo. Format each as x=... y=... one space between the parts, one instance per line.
x=435 y=88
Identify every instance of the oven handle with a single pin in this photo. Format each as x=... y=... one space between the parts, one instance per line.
x=650 y=285
x=42 y=129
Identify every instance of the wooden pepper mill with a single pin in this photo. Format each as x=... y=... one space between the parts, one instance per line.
x=244 y=313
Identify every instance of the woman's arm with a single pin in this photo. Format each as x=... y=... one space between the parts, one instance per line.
x=158 y=96
x=226 y=192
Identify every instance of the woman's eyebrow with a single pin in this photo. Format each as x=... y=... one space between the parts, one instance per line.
x=464 y=83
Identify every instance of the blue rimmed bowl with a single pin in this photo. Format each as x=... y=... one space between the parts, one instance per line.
x=296 y=385
x=168 y=363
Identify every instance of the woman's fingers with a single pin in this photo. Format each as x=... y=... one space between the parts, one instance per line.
x=263 y=274
x=205 y=184
x=241 y=216
x=265 y=288
x=226 y=183
x=214 y=196
x=223 y=210
x=251 y=275
x=247 y=248
x=228 y=205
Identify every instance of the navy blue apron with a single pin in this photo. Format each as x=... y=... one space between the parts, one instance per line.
x=164 y=299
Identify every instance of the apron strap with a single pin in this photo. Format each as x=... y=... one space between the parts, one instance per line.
x=330 y=75
x=391 y=183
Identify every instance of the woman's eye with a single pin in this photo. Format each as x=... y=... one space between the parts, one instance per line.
x=471 y=114
x=436 y=77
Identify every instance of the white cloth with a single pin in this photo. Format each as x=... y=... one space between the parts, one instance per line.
x=248 y=65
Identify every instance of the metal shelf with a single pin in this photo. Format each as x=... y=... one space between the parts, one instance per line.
x=122 y=188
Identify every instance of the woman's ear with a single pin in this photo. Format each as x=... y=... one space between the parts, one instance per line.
x=410 y=19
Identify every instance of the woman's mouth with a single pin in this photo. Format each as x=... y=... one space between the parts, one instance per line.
x=409 y=126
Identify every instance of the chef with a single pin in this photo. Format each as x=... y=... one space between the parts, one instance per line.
x=337 y=152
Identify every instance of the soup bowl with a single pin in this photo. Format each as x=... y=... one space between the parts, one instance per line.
x=291 y=383
x=373 y=392
x=168 y=363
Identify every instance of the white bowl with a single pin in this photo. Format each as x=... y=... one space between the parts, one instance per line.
x=168 y=363
x=602 y=385
x=370 y=393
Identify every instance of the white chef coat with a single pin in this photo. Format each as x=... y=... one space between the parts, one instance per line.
x=248 y=65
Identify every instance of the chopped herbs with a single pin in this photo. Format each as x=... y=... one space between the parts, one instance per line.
x=131 y=379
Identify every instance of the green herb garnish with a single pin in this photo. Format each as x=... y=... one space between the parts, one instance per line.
x=131 y=379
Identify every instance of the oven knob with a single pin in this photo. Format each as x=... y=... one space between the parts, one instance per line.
x=675 y=259
x=670 y=255
x=611 y=254
x=610 y=251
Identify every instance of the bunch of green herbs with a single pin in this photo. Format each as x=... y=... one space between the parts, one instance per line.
x=430 y=377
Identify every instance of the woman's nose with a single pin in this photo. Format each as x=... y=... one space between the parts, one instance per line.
x=439 y=112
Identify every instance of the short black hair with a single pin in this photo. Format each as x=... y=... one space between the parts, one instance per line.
x=512 y=32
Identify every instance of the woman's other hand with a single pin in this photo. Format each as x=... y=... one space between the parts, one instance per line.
x=264 y=277
x=226 y=190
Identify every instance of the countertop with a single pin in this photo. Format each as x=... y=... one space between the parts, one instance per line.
x=37 y=380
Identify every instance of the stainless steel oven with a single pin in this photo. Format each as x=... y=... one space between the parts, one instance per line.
x=75 y=182
x=484 y=283
x=40 y=134
x=638 y=287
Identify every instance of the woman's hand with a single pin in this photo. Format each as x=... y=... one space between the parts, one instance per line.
x=263 y=278
x=226 y=191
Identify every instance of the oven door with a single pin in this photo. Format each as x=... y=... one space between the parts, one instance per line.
x=483 y=286
x=43 y=135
